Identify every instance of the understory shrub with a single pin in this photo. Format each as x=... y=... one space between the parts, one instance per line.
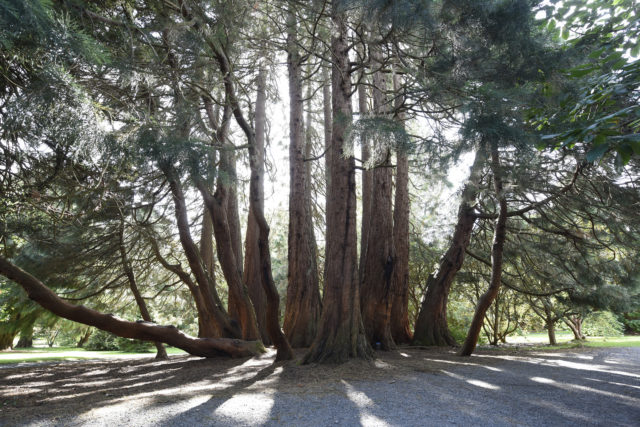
x=106 y=341
x=602 y=323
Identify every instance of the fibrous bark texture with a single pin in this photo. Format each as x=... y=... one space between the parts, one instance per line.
x=340 y=334
x=378 y=255
x=252 y=267
x=431 y=326
x=400 y=329
x=205 y=347
x=303 y=298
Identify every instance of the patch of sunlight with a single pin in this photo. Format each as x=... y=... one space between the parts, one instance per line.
x=542 y=380
x=381 y=364
x=452 y=362
x=246 y=408
x=364 y=404
x=611 y=362
x=404 y=355
x=613 y=383
x=628 y=400
x=477 y=383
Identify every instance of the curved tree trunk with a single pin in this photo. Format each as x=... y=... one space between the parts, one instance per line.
x=400 y=329
x=205 y=347
x=302 y=310
x=340 y=334
x=215 y=320
x=284 y=351
x=497 y=249
x=431 y=326
x=252 y=266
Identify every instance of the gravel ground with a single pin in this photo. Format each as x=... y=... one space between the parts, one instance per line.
x=408 y=388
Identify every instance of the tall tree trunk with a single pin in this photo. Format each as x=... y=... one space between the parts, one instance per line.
x=252 y=265
x=214 y=319
x=161 y=353
x=284 y=351
x=400 y=329
x=340 y=333
x=376 y=282
x=205 y=347
x=431 y=326
x=367 y=177
x=226 y=185
x=327 y=120
x=303 y=299
x=497 y=249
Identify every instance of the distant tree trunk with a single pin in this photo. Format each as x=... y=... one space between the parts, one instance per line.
x=252 y=266
x=376 y=285
x=303 y=299
x=497 y=249
x=341 y=333
x=205 y=347
x=575 y=324
x=26 y=336
x=400 y=329
x=161 y=353
x=327 y=120
x=431 y=326
x=85 y=337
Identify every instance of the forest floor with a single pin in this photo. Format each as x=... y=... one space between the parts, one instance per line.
x=585 y=386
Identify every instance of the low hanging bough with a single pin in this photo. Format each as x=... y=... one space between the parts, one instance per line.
x=204 y=347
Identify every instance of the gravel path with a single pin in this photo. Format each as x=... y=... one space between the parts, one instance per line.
x=410 y=388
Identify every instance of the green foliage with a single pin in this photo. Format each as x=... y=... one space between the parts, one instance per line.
x=106 y=341
x=602 y=323
x=596 y=104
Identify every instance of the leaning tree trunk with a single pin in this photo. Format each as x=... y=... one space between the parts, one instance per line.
x=431 y=326
x=400 y=329
x=256 y=182
x=205 y=347
x=497 y=249
x=215 y=321
x=252 y=266
x=161 y=353
x=575 y=324
x=376 y=290
x=302 y=310
x=340 y=334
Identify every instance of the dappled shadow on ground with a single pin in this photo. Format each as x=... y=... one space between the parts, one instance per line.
x=408 y=387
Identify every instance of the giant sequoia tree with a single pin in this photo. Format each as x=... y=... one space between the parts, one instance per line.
x=128 y=130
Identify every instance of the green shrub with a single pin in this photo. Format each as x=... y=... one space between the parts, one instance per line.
x=602 y=323
x=101 y=341
x=631 y=322
x=106 y=341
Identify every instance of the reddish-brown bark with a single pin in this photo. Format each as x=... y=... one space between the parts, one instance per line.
x=341 y=333
x=205 y=347
x=302 y=310
x=431 y=326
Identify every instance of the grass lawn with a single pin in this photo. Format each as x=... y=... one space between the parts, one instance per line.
x=565 y=340
x=47 y=354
